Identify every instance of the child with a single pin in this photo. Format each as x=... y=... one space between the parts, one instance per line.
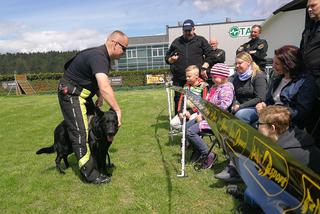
x=221 y=95
x=196 y=86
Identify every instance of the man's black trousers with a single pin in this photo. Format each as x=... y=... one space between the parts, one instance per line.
x=73 y=101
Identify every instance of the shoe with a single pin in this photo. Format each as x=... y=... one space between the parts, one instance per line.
x=211 y=159
x=175 y=132
x=235 y=191
x=195 y=156
x=102 y=179
x=229 y=174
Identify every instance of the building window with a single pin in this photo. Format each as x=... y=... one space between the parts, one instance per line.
x=157 y=52
x=131 y=54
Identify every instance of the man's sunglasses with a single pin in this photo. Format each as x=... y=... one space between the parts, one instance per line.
x=124 y=48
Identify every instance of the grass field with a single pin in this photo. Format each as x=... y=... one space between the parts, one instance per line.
x=147 y=163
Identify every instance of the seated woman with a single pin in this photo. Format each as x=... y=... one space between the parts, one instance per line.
x=221 y=95
x=250 y=85
x=293 y=88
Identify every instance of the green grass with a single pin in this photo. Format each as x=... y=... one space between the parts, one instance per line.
x=147 y=163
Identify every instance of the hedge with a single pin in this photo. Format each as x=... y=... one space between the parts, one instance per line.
x=47 y=82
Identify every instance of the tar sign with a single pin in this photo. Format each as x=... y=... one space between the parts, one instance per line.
x=236 y=31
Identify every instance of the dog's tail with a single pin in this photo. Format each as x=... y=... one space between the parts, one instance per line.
x=48 y=150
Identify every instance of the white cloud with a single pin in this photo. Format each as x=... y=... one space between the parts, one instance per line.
x=7 y=28
x=255 y=8
x=214 y=5
x=52 y=40
x=265 y=8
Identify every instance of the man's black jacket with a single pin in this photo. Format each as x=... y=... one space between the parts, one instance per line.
x=193 y=52
x=258 y=48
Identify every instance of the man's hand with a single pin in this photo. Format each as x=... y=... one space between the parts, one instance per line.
x=203 y=74
x=118 y=112
x=173 y=59
x=99 y=102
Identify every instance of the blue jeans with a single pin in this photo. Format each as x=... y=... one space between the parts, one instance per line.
x=248 y=115
x=194 y=138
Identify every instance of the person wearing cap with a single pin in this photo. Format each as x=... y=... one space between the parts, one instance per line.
x=221 y=95
x=256 y=47
x=188 y=49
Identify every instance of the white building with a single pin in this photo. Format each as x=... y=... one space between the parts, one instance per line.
x=285 y=26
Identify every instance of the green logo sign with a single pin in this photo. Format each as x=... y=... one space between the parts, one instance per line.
x=236 y=31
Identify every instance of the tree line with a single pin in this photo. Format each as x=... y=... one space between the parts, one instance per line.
x=52 y=61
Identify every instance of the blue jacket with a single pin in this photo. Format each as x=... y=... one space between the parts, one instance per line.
x=299 y=95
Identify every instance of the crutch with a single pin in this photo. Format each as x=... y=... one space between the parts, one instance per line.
x=169 y=96
x=183 y=139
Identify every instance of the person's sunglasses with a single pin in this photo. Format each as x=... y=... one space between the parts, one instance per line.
x=124 y=48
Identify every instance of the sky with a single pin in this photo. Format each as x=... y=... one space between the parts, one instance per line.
x=62 y=25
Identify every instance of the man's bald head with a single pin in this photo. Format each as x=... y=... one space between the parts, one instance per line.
x=214 y=43
x=116 y=44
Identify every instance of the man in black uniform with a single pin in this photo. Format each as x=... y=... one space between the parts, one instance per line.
x=219 y=54
x=85 y=76
x=256 y=47
x=310 y=50
x=188 y=49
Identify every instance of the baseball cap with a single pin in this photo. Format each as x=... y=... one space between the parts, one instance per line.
x=188 y=24
x=220 y=70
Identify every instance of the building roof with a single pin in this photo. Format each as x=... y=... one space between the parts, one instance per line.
x=293 y=5
x=139 y=40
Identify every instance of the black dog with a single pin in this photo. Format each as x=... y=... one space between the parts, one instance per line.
x=102 y=128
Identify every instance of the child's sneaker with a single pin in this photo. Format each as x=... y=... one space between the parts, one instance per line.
x=211 y=159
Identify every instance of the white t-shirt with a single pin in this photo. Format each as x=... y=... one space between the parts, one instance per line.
x=276 y=93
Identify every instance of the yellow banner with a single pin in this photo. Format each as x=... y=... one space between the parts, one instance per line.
x=155 y=78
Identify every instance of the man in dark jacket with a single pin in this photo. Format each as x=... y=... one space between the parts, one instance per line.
x=310 y=42
x=219 y=54
x=256 y=47
x=188 y=49
x=310 y=50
